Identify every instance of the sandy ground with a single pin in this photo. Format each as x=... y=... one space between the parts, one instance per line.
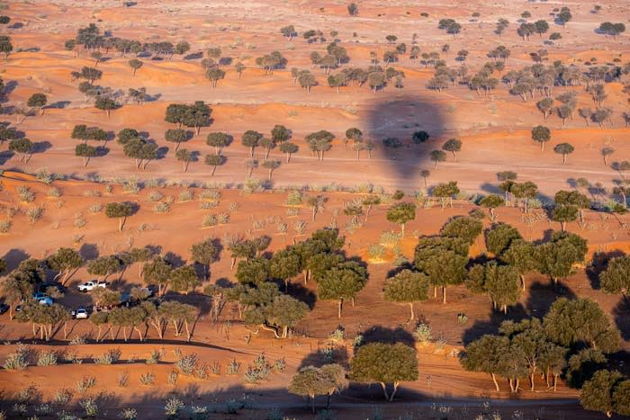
x=441 y=376
x=495 y=131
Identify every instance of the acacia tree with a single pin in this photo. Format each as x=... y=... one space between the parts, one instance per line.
x=607 y=391
x=271 y=165
x=400 y=214
x=500 y=282
x=453 y=146
x=563 y=214
x=444 y=260
x=288 y=149
x=251 y=139
x=120 y=211
x=491 y=202
x=205 y=253
x=177 y=135
x=384 y=364
x=183 y=279
x=341 y=283
x=580 y=321
x=215 y=161
x=37 y=101
x=219 y=141
x=564 y=149
x=556 y=258
x=105 y=266
x=85 y=151
x=486 y=355
x=66 y=262
x=437 y=156
x=446 y=191
x=157 y=272
x=106 y=104
x=135 y=65
x=616 y=278
x=312 y=381
x=320 y=142
x=23 y=147
x=407 y=287
x=541 y=135
x=185 y=156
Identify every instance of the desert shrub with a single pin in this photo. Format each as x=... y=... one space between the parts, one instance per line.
x=34 y=214
x=172 y=377
x=109 y=357
x=47 y=358
x=292 y=211
x=376 y=251
x=187 y=364
x=233 y=368
x=338 y=335
x=233 y=206
x=280 y=365
x=78 y=340
x=86 y=383
x=132 y=187
x=389 y=239
x=18 y=359
x=128 y=414
x=173 y=406
x=299 y=226
x=62 y=397
x=282 y=228
x=123 y=380
x=163 y=207
x=79 y=221
x=209 y=220
x=186 y=195
x=54 y=192
x=89 y=406
x=294 y=198
x=422 y=333
x=210 y=195
x=147 y=378
x=259 y=370
x=44 y=176
x=156 y=196
x=5 y=226
x=223 y=218
x=154 y=357
x=25 y=194
x=96 y=208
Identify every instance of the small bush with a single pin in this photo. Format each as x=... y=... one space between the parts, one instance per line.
x=186 y=195
x=422 y=333
x=34 y=214
x=154 y=358
x=156 y=196
x=233 y=368
x=123 y=380
x=89 y=406
x=47 y=358
x=173 y=406
x=187 y=364
x=54 y=192
x=162 y=207
x=223 y=218
x=210 y=220
x=96 y=208
x=109 y=357
x=5 y=226
x=86 y=383
x=294 y=198
x=172 y=377
x=26 y=194
x=17 y=360
x=376 y=251
x=62 y=397
x=147 y=378
x=280 y=365
x=128 y=414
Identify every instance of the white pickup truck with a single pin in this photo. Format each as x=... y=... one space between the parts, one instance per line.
x=91 y=285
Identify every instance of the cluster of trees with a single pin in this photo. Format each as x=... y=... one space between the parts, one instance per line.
x=93 y=40
x=373 y=363
x=571 y=340
x=450 y=26
x=612 y=29
x=319 y=258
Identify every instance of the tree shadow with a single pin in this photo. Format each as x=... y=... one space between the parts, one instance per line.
x=482 y=327
x=41 y=146
x=399 y=116
x=5 y=156
x=194 y=56
x=14 y=257
x=89 y=251
x=490 y=188
x=543 y=295
x=58 y=105
x=327 y=355
x=380 y=334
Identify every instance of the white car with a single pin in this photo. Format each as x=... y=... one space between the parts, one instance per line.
x=80 y=313
x=91 y=285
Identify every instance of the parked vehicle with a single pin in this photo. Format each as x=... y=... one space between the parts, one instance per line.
x=3 y=308
x=80 y=313
x=91 y=285
x=43 y=299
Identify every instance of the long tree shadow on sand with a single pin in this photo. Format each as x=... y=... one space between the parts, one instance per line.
x=399 y=117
